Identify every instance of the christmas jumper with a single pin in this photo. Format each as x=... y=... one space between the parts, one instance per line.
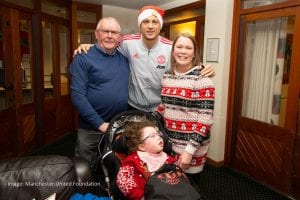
x=133 y=175
x=147 y=68
x=187 y=104
x=99 y=86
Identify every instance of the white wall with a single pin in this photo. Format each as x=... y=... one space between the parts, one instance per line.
x=126 y=17
x=218 y=24
x=177 y=3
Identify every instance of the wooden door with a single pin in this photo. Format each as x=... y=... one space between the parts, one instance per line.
x=35 y=105
x=266 y=95
x=8 y=125
x=57 y=109
x=296 y=163
x=26 y=100
x=194 y=26
x=17 y=109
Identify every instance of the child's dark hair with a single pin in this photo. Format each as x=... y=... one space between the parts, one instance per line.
x=133 y=132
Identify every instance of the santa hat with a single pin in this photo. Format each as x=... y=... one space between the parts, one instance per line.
x=147 y=11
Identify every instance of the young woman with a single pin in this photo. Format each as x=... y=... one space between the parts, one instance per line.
x=187 y=103
x=146 y=155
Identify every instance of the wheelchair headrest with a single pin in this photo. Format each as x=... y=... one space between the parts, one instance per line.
x=119 y=144
x=119 y=121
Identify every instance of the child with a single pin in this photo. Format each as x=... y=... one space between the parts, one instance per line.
x=145 y=148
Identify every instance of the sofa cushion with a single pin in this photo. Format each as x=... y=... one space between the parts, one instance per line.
x=37 y=177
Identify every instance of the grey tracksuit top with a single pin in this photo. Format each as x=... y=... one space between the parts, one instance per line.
x=147 y=68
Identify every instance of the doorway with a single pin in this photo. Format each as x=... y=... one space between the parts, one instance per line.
x=262 y=129
x=35 y=107
x=8 y=117
x=189 y=18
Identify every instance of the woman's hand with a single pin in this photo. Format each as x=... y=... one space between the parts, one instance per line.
x=83 y=47
x=184 y=160
x=208 y=71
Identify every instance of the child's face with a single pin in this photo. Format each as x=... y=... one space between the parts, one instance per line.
x=151 y=140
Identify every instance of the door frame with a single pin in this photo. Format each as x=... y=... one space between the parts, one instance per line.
x=234 y=98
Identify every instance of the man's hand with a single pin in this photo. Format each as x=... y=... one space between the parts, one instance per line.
x=103 y=127
x=83 y=47
x=208 y=71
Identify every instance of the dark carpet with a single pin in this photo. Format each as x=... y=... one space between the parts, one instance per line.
x=222 y=183
x=64 y=146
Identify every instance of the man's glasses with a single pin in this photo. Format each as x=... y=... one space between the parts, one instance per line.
x=152 y=135
x=107 y=32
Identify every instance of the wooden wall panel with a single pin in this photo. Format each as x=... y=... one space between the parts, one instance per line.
x=7 y=141
x=264 y=153
x=29 y=133
x=296 y=164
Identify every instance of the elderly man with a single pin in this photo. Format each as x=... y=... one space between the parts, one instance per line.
x=99 y=87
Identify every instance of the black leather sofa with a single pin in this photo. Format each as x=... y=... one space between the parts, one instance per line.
x=38 y=177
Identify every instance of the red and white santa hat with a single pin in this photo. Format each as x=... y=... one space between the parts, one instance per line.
x=147 y=11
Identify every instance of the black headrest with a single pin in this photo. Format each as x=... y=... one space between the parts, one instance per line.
x=119 y=145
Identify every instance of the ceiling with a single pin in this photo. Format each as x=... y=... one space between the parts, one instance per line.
x=137 y=4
